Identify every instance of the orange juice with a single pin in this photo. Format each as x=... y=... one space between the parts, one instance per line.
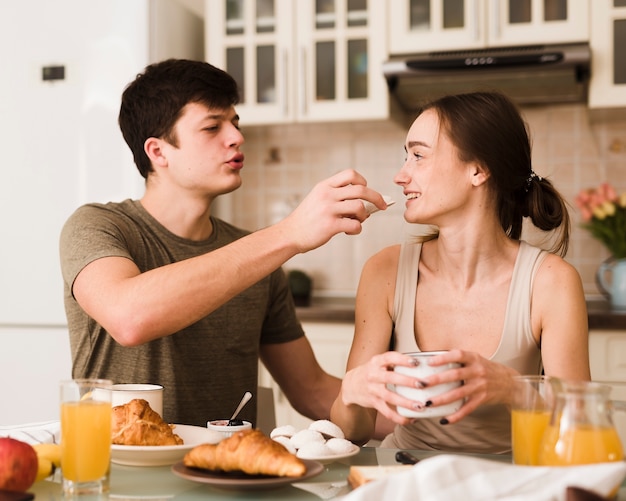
x=580 y=445
x=86 y=440
x=527 y=429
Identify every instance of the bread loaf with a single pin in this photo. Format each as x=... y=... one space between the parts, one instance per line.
x=135 y=423
x=360 y=475
x=249 y=451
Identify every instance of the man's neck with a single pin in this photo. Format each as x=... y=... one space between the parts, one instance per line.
x=185 y=217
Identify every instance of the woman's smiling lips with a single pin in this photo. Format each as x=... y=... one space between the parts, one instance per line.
x=412 y=196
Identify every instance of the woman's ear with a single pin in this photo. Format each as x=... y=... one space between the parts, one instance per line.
x=153 y=148
x=480 y=175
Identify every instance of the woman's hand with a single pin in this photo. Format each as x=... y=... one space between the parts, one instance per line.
x=366 y=386
x=484 y=382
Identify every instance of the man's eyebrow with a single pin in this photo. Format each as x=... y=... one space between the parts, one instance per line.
x=219 y=116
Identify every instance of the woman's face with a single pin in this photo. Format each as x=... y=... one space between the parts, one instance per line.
x=436 y=182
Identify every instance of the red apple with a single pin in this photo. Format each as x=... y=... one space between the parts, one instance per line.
x=18 y=465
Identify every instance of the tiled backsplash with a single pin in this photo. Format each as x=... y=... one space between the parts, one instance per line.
x=284 y=162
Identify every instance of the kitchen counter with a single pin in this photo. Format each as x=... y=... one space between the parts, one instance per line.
x=601 y=317
x=327 y=310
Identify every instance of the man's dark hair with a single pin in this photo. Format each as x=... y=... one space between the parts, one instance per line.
x=153 y=102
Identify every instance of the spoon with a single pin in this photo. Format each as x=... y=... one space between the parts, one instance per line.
x=244 y=400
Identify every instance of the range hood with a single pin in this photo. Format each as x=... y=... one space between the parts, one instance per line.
x=537 y=74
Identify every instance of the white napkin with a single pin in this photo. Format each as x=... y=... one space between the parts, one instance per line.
x=447 y=476
x=47 y=432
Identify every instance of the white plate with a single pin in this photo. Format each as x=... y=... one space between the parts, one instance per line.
x=335 y=457
x=239 y=481
x=164 y=455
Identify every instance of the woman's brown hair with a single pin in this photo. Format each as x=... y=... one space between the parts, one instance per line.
x=487 y=128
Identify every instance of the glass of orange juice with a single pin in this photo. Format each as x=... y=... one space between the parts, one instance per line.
x=85 y=436
x=531 y=408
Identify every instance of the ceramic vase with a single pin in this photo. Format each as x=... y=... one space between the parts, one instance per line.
x=611 y=280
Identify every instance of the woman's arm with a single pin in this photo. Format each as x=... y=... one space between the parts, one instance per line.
x=560 y=312
x=363 y=390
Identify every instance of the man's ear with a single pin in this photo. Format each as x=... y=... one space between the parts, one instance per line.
x=480 y=175
x=154 y=151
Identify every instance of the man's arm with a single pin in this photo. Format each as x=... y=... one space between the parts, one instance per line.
x=310 y=390
x=135 y=307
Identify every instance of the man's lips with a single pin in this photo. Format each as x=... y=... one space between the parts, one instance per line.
x=236 y=162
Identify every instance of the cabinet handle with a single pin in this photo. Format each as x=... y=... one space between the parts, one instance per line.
x=284 y=94
x=476 y=22
x=303 y=81
x=495 y=4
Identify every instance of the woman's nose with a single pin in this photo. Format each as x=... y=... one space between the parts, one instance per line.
x=401 y=178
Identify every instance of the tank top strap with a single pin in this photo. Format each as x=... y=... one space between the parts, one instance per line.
x=403 y=315
x=517 y=334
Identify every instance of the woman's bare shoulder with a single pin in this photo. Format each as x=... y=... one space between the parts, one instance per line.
x=558 y=283
x=385 y=259
x=555 y=269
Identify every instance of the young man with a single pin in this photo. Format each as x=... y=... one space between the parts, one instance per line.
x=158 y=290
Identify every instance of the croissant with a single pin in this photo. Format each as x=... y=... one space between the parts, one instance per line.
x=135 y=423
x=249 y=451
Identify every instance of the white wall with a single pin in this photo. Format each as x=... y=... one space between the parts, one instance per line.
x=61 y=147
x=32 y=362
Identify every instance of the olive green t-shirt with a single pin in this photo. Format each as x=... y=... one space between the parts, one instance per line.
x=206 y=367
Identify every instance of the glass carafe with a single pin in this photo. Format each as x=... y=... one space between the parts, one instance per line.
x=581 y=429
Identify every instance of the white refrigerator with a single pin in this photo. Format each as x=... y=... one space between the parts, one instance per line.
x=65 y=64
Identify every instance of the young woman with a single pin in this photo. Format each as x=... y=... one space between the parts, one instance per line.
x=499 y=306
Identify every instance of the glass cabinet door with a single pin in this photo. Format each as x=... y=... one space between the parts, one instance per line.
x=304 y=60
x=432 y=25
x=250 y=40
x=435 y=25
x=522 y=22
x=341 y=50
x=607 y=88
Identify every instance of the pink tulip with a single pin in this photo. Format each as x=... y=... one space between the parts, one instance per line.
x=608 y=191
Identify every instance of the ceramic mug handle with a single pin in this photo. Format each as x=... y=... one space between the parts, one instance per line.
x=604 y=269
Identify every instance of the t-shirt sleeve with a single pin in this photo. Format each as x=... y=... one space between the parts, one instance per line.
x=91 y=232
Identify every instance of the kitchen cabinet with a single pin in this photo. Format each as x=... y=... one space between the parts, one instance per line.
x=608 y=365
x=608 y=64
x=435 y=25
x=303 y=61
x=331 y=342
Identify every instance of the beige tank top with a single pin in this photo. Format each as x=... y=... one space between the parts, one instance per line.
x=488 y=428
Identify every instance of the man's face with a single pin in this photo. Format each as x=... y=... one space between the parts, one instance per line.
x=207 y=157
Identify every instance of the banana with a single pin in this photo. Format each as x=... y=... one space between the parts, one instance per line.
x=46 y=468
x=49 y=459
x=49 y=451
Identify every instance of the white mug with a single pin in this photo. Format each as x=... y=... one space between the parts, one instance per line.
x=420 y=371
x=152 y=393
